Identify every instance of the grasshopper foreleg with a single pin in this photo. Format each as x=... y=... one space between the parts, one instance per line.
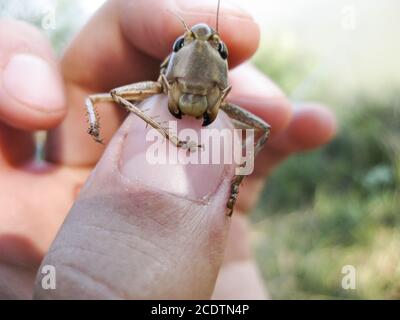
x=133 y=92
x=124 y=97
x=92 y=116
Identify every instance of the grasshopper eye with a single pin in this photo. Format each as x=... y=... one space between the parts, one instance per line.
x=223 y=50
x=178 y=44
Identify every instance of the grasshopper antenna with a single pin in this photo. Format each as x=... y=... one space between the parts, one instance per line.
x=181 y=20
x=216 y=24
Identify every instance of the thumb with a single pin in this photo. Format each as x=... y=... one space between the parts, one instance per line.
x=140 y=230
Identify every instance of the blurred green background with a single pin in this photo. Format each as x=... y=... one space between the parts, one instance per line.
x=336 y=206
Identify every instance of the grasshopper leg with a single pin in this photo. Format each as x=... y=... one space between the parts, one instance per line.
x=136 y=91
x=247 y=118
x=124 y=97
x=156 y=125
x=133 y=92
x=92 y=116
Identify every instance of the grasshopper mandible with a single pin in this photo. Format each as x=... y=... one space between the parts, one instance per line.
x=195 y=79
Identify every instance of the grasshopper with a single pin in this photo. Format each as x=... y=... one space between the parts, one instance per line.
x=195 y=79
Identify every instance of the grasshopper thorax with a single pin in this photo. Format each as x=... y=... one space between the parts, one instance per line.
x=197 y=74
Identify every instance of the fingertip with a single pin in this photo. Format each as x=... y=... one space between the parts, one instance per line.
x=31 y=88
x=313 y=125
x=31 y=93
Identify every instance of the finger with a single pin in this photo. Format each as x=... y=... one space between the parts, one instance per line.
x=254 y=91
x=16 y=146
x=125 y=42
x=239 y=277
x=312 y=126
x=140 y=230
x=31 y=91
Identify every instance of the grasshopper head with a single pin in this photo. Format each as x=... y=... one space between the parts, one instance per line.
x=197 y=73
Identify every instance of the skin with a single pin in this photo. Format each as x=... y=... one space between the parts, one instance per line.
x=126 y=236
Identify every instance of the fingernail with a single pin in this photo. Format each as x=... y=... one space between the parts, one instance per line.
x=32 y=81
x=226 y=7
x=193 y=181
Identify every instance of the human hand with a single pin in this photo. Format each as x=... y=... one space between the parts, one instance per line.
x=125 y=236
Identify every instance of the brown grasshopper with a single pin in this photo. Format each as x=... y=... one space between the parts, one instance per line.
x=195 y=79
